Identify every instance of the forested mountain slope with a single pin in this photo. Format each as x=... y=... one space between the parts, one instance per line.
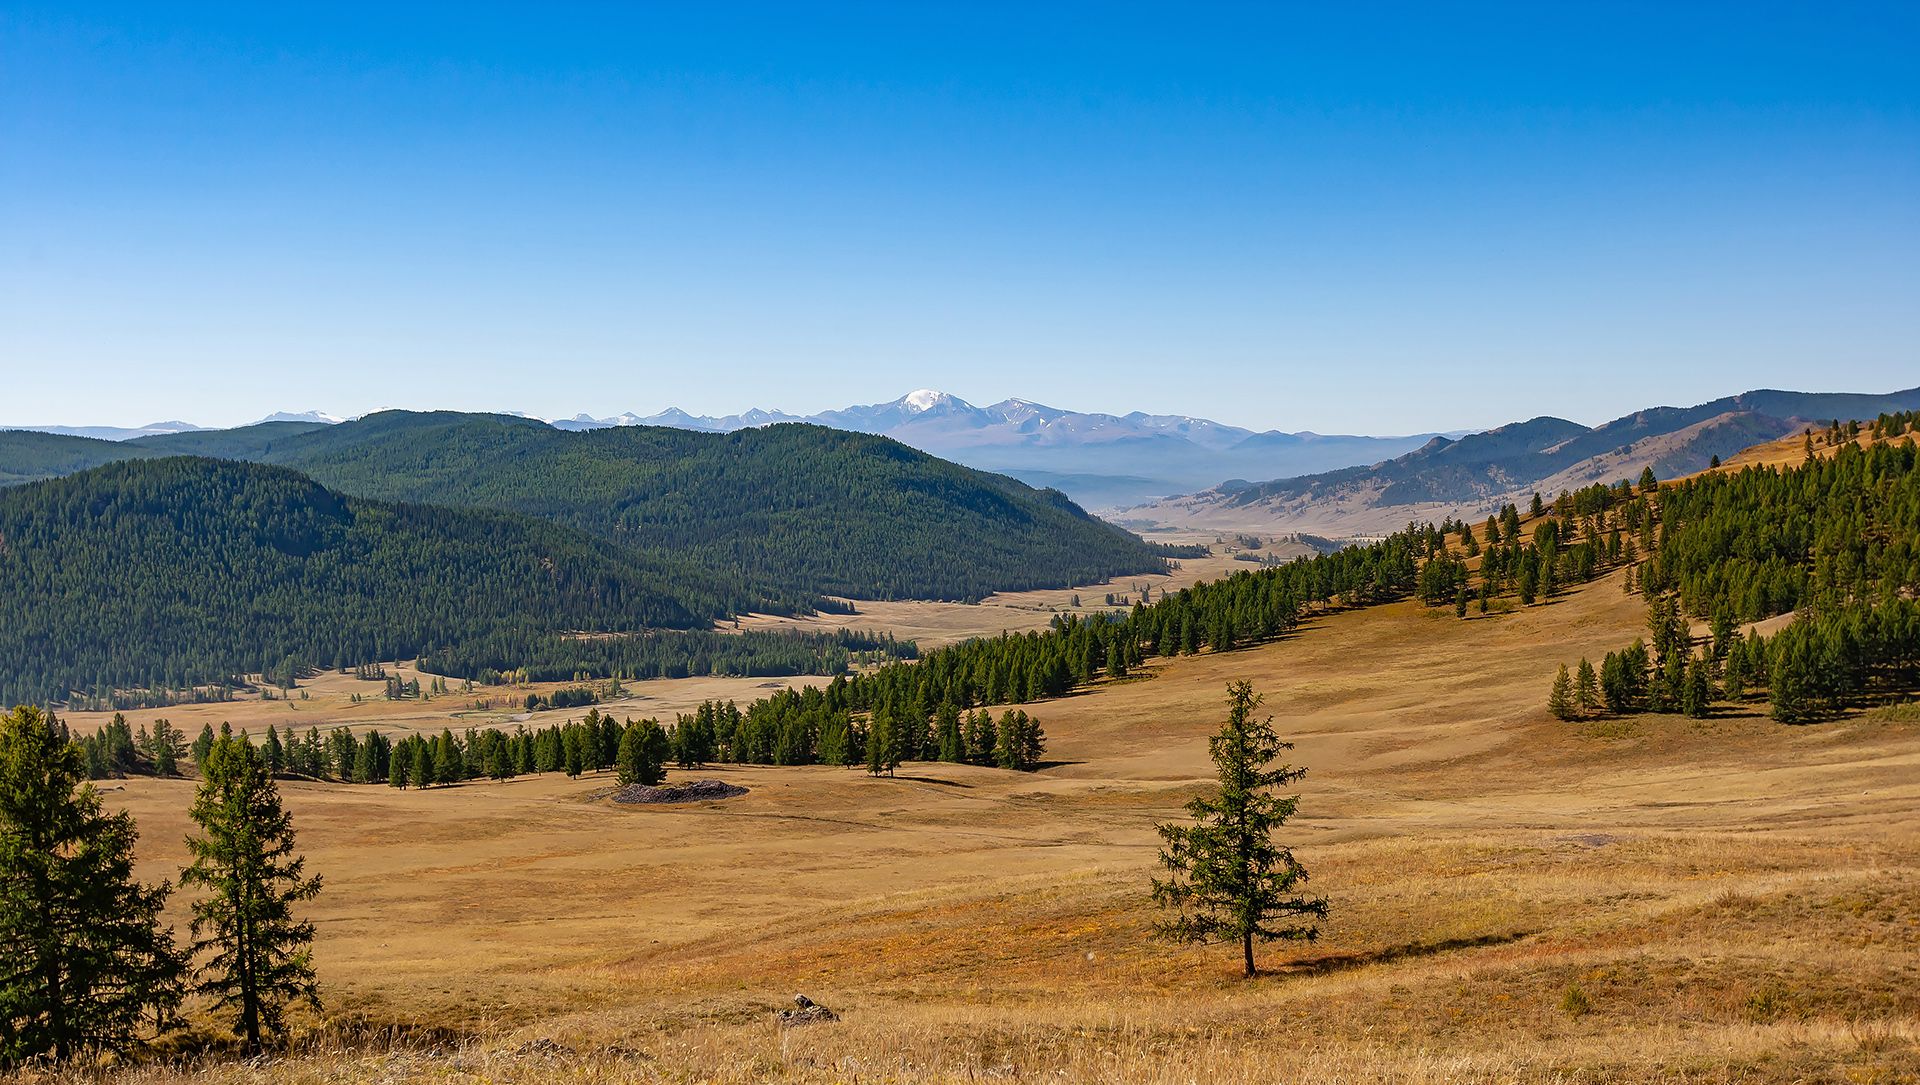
x=183 y=571
x=26 y=455
x=1478 y=473
x=244 y=443
x=798 y=510
x=771 y=518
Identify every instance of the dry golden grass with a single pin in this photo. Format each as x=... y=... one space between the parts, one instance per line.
x=932 y=624
x=1734 y=901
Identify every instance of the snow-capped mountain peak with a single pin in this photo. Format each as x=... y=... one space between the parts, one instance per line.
x=924 y=399
x=302 y=416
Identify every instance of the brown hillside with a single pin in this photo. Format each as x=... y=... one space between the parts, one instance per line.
x=1732 y=900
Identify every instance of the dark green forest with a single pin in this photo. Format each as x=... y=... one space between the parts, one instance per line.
x=772 y=519
x=182 y=572
x=175 y=574
x=800 y=511
x=26 y=456
x=1835 y=541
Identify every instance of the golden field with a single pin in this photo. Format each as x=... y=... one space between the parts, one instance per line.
x=1514 y=899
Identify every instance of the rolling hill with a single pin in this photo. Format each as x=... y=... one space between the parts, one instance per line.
x=763 y=519
x=1475 y=474
x=178 y=571
x=797 y=510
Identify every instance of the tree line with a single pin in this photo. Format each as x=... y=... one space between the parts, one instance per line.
x=1245 y=608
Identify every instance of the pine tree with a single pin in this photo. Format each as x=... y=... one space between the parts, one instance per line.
x=641 y=758
x=84 y=963
x=980 y=738
x=1560 y=698
x=401 y=766
x=1227 y=880
x=884 y=740
x=202 y=746
x=276 y=756
x=1586 y=687
x=168 y=745
x=952 y=744
x=449 y=767
x=259 y=957
x=1018 y=742
x=421 y=771
x=1696 y=688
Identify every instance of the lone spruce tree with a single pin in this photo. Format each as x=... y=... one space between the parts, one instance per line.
x=1560 y=697
x=1227 y=879
x=85 y=965
x=258 y=956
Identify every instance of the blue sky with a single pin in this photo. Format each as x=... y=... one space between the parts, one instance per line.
x=1337 y=217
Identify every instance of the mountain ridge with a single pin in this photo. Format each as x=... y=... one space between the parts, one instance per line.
x=1102 y=460
x=1475 y=474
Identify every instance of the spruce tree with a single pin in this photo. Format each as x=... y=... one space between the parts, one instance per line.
x=422 y=768
x=202 y=746
x=84 y=963
x=1696 y=688
x=1586 y=687
x=641 y=757
x=952 y=744
x=883 y=744
x=1227 y=879
x=258 y=956
x=1560 y=698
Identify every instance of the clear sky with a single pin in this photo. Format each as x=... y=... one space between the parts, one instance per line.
x=1341 y=217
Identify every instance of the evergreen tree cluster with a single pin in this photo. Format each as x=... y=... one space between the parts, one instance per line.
x=87 y=965
x=1835 y=540
x=1245 y=608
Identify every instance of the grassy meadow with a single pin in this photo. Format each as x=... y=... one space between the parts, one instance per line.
x=1514 y=898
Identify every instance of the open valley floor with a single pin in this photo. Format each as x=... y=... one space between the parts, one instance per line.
x=1513 y=898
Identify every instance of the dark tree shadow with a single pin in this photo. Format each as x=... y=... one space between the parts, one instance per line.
x=1340 y=962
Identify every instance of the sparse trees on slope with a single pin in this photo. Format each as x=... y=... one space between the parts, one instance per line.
x=258 y=956
x=84 y=963
x=1228 y=881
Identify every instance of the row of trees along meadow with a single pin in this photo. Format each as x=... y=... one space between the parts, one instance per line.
x=1248 y=607
x=1835 y=541
x=87 y=966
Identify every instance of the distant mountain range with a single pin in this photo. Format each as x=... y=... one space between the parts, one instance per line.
x=1475 y=474
x=161 y=429
x=1100 y=460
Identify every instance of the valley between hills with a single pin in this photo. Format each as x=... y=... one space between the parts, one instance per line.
x=1736 y=900
x=1514 y=898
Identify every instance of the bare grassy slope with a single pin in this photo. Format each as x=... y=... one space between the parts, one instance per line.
x=1734 y=900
